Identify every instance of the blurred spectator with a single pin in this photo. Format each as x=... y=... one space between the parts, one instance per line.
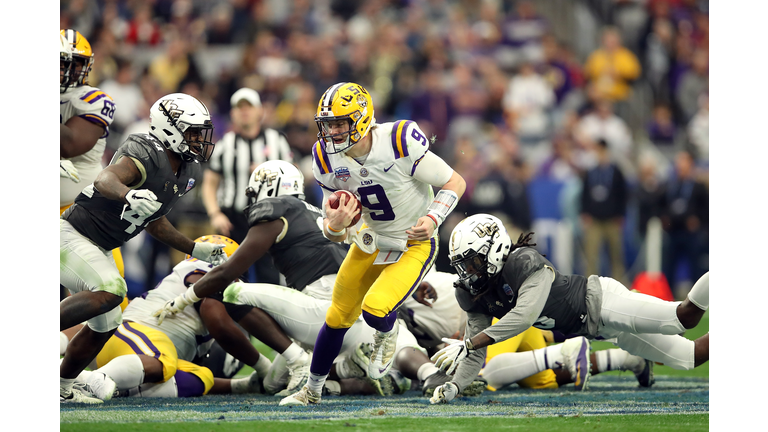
x=522 y=33
x=430 y=107
x=142 y=28
x=685 y=219
x=649 y=193
x=554 y=69
x=603 y=208
x=611 y=68
x=661 y=129
x=174 y=66
x=219 y=29
x=603 y=124
x=693 y=83
x=125 y=89
x=234 y=158
x=527 y=102
x=698 y=131
x=561 y=164
x=659 y=55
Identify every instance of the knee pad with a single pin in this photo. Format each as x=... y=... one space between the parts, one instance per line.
x=335 y=319
x=115 y=286
x=107 y=321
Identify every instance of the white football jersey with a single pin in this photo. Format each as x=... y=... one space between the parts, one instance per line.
x=185 y=329
x=444 y=318
x=97 y=107
x=393 y=200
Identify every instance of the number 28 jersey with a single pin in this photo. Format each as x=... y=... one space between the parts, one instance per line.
x=393 y=200
x=109 y=223
x=97 y=107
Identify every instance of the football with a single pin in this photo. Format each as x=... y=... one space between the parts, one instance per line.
x=334 y=203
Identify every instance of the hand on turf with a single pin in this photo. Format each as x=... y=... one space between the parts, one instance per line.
x=448 y=358
x=444 y=394
x=210 y=252
x=68 y=170
x=143 y=201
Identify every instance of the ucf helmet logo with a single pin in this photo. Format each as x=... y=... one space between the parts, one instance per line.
x=486 y=229
x=266 y=176
x=170 y=109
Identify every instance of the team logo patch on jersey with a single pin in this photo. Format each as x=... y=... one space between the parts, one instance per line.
x=363 y=172
x=508 y=290
x=367 y=239
x=342 y=173
x=190 y=185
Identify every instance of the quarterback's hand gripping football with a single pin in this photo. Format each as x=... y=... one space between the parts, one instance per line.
x=211 y=253
x=448 y=358
x=68 y=170
x=444 y=394
x=176 y=305
x=143 y=201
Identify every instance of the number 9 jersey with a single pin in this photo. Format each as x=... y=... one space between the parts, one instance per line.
x=97 y=107
x=393 y=198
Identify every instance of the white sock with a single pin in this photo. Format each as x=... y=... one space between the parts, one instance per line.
x=63 y=342
x=699 y=294
x=426 y=370
x=548 y=358
x=65 y=385
x=262 y=365
x=508 y=368
x=610 y=359
x=292 y=353
x=166 y=389
x=315 y=382
x=127 y=371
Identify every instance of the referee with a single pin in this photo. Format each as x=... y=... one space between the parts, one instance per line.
x=246 y=146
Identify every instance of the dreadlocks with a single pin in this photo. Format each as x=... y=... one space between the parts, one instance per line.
x=523 y=241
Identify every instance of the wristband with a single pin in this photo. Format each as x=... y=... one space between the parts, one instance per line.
x=190 y=294
x=434 y=219
x=335 y=233
x=468 y=343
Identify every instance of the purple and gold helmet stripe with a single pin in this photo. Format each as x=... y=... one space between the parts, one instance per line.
x=398 y=136
x=424 y=269
x=134 y=338
x=328 y=95
x=93 y=118
x=321 y=158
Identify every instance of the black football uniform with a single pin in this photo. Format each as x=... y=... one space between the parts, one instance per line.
x=301 y=252
x=565 y=309
x=109 y=223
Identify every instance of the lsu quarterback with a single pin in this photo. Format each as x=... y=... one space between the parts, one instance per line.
x=390 y=170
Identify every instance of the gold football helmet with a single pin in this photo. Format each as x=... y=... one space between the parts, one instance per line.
x=348 y=102
x=82 y=57
x=229 y=248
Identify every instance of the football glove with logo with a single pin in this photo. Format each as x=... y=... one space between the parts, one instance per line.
x=212 y=253
x=448 y=358
x=143 y=201
x=444 y=394
x=176 y=305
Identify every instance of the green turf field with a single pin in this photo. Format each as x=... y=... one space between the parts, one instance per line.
x=678 y=401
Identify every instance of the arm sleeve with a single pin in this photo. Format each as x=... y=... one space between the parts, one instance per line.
x=468 y=369
x=530 y=302
x=433 y=170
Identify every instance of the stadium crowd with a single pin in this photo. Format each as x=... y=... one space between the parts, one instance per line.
x=599 y=105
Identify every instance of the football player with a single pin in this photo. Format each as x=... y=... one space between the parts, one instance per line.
x=390 y=169
x=149 y=360
x=287 y=227
x=85 y=115
x=517 y=285
x=148 y=174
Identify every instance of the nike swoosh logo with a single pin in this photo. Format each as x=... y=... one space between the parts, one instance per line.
x=387 y=169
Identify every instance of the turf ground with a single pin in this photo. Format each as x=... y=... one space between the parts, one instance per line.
x=679 y=400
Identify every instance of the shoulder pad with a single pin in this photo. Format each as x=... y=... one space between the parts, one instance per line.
x=93 y=105
x=408 y=140
x=268 y=209
x=322 y=163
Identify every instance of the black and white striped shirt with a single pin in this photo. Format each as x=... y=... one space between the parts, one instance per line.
x=235 y=157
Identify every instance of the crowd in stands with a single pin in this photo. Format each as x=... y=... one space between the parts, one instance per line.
x=510 y=97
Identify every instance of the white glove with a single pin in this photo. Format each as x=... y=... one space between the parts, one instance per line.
x=444 y=394
x=68 y=170
x=448 y=358
x=176 y=305
x=143 y=202
x=210 y=252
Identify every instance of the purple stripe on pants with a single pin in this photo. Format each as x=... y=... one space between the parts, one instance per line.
x=188 y=385
x=327 y=347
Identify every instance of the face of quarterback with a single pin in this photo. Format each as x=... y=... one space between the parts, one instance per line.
x=338 y=129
